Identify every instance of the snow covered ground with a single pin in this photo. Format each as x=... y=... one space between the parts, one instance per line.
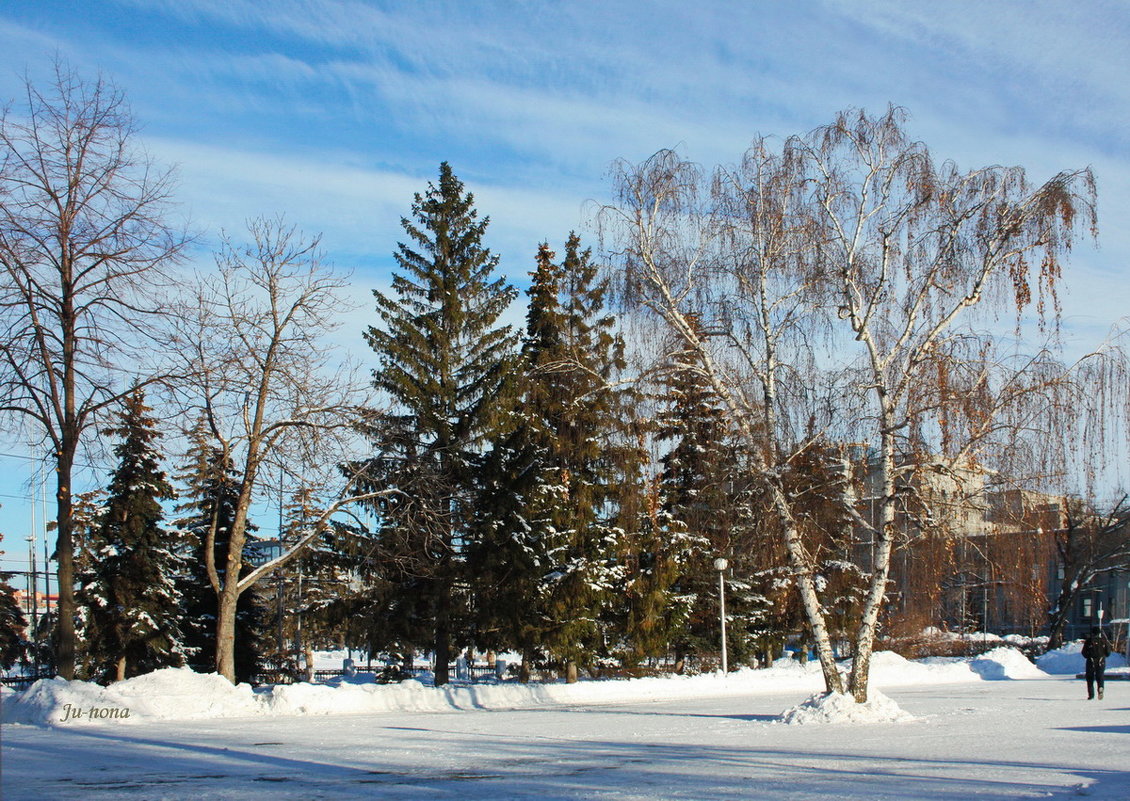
x=993 y=727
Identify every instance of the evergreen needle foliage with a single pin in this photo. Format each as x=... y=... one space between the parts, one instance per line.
x=548 y=533
x=132 y=603
x=445 y=363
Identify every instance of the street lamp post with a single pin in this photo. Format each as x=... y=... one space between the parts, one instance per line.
x=720 y=564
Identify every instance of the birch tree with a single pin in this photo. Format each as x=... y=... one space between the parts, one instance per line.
x=737 y=315
x=837 y=278
x=84 y=235
x=263 y=379
x=907 y=251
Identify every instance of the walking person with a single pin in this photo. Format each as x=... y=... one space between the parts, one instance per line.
x=1096 y=648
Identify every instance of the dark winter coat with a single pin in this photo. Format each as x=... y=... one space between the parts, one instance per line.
x=1096 y=648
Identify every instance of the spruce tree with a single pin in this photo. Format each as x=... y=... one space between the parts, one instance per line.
x=444 y=362
x=209 y=495
x=130 y=595
x=12 y=623
x=510 y=550
x=548 y=539
x=657 y=553
x=708 y=503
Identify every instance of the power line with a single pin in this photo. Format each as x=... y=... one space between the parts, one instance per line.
x=45 y=459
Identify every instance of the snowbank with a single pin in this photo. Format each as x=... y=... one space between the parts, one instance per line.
x=178 y=693
x=172 y=693
x=888 y=669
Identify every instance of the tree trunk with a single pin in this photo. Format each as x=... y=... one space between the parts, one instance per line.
x=65 y=553
x=442 y=644
x=121 y=668
x=570 y=672
x=861 y=662
x=880 y=570
x=1057 y=616
x=225 y=631
x=309 y=655
x=810 y=601
x=865 y=634
x=228 y=599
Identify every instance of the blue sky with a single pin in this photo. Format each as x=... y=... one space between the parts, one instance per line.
x=335 y=112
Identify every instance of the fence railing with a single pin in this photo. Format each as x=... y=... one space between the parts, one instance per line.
x=23 y=682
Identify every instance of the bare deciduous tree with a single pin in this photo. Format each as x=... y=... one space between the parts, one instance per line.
x=1090 y=544
x=260 y=374
x=835 y=281
x=83 y=237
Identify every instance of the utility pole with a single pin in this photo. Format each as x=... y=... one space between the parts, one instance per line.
x=46 y=578
x=33 y=588
x=46 y=547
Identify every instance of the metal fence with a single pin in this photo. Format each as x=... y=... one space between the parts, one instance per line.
x=23 y=682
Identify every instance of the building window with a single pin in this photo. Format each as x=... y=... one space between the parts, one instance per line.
x=1087 y=609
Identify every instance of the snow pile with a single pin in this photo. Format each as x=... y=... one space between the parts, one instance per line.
x=182 y=693
x=408 y=696
x=1068 y=660
x=892 y=670
x=888 y=669
x=179 y=693
x=983 y=638
x=1065 y=661
x=172 y=693
x=842 y=708
x=1004 y=663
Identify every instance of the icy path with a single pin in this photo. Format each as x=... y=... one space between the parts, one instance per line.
x=997 y=739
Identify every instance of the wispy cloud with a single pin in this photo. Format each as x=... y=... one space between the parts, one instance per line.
x=357 y=209
x=337 y=110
